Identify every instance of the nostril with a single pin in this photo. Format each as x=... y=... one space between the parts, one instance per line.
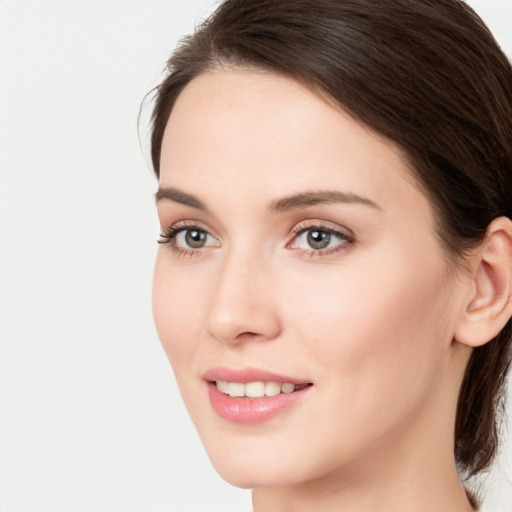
x=247 y=336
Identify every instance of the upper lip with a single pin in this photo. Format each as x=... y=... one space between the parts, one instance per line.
x=248 y=374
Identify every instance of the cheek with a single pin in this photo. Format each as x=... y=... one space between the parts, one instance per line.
x=379 y=331
x=176 y=310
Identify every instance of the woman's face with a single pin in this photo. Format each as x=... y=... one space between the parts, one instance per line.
x=300 y=267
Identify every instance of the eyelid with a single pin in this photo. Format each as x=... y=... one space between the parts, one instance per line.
x=324 y=225
x=169 y=235
x=188 y=224
x=346 y=236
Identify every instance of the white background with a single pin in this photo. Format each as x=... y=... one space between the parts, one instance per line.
x=90 y=418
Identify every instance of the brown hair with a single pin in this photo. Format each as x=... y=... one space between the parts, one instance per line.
x=428 y=75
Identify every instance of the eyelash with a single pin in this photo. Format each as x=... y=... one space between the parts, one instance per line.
x=347 y=240
x=168 y=237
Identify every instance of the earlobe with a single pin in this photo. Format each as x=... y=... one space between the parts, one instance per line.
x=489 y=306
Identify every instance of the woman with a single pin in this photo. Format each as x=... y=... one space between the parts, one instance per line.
x=334 y=282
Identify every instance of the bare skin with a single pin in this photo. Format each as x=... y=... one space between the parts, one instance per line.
x=375 y=320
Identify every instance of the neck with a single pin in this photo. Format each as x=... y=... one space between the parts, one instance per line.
x=387 y=488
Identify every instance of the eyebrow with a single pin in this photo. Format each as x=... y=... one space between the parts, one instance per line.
x=295 y=201
x=178 y=196
x=312 y=198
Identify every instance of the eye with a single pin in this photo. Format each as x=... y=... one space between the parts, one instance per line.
x=317 y=239
x=192 y=238
x=187 y=239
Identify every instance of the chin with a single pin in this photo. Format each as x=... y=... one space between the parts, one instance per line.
x=265 y=459
x=243 y=474
x=248 y=464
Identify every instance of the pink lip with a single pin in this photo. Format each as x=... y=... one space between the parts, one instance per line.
x=250 y=410
x=249 y=374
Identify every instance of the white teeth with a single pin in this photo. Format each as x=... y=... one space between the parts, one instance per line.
x=236 y=389
x=287 y=388
x=223 y=386
x=256 y=389
x=272 y=388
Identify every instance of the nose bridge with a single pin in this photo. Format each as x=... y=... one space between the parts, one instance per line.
x=241 y=306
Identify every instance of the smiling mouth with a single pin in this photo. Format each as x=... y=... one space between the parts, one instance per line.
x=257 y=389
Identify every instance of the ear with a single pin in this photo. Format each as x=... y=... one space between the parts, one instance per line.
x=488 y=306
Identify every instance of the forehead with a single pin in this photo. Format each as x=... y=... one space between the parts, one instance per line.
x=250 y=131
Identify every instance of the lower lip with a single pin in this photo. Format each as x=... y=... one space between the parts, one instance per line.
x=251 y=410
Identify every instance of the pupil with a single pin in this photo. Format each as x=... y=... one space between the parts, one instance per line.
x=195 y=238
x=319 y=239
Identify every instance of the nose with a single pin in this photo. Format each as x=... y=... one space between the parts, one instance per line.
x=243 y=305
